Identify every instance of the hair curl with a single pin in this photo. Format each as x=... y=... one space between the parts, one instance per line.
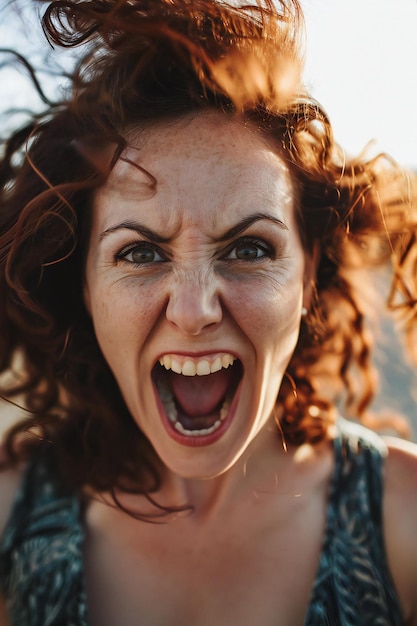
x=149 y=60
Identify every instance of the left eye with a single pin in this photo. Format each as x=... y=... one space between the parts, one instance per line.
x=249 y=251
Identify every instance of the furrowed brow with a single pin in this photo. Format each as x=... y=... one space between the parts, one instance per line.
x=138 y=228
x=232 y=232
x=248 y=221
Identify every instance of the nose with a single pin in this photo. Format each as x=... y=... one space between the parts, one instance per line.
x=194 y=305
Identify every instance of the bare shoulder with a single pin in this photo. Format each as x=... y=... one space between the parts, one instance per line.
x=400 y=520
x=10 y=480
x=401 y=473
x=3 y=614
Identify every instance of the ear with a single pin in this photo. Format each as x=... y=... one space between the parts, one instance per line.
x=310 y=270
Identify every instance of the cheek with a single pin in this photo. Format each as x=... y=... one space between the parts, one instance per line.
x=121 y=318
x=267 y=307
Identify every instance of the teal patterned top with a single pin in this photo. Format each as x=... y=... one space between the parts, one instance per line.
x=41 y=552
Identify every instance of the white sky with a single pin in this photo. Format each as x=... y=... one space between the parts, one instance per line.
x=361 y=64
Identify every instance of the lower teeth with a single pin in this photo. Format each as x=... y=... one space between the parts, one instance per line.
x=196 y=433
x=167 y=399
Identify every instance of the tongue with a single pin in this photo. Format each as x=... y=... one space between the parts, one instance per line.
x=200 y=395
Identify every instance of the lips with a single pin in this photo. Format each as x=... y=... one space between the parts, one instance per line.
x=196 y=393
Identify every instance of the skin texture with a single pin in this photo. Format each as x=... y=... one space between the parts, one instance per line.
x=249 y=552
x=193 y=298
x=196 y=298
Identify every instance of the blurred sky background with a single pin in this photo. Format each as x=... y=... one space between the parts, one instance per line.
x=361 y=64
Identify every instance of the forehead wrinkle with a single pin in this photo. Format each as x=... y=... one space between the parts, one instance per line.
x=130 y=178
x=174 y=218
x=263 y=196
x=241 y=196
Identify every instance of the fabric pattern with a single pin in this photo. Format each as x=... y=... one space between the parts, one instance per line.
x=41 y=552
x=353 y=586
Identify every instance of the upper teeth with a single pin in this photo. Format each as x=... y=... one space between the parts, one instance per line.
x=196 y=367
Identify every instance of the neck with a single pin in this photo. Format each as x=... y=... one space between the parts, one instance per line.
x=259 y=471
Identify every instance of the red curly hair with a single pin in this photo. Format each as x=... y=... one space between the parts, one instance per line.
x=150 y=60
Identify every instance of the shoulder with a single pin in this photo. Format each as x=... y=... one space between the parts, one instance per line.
x=400 y=485
x=397 y=460
x=4 y=621
x=400 y=519
x=401 y=466
x=10 y=481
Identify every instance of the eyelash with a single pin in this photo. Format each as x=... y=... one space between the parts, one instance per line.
x=267 y=251
x=139 y=245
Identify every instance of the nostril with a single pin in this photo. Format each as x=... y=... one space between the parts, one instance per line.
x=193 y=312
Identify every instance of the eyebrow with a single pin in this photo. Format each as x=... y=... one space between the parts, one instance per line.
x=151 y=235
x=137 y=227
x=248 y=221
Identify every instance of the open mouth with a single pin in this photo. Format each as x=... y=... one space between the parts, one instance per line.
x=197 y=393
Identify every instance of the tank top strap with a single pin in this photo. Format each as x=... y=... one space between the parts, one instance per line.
x=354 y=584
x=41 y=552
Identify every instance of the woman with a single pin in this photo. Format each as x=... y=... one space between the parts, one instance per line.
x=181 y=249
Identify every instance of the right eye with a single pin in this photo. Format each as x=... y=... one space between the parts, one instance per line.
x=140 y=254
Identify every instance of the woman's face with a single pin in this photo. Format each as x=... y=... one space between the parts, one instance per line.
x=195 y=286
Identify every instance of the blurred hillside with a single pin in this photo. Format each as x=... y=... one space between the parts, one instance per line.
x=398 y=378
